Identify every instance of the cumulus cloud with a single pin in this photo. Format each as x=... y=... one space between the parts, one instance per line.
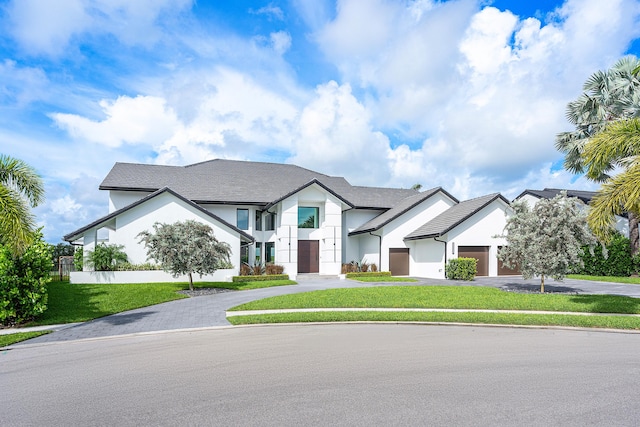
x=335 y=136
x=484 y=90
x=139 y=120
x=281 y=41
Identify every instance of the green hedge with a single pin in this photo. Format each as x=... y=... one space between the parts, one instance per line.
x=461 y=269
x=617 y=263
x=264 y=278
x=368 y=274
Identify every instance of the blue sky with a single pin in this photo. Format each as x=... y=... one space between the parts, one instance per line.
x=463 y=94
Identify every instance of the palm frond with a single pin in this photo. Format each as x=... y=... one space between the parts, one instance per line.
x=22 y=178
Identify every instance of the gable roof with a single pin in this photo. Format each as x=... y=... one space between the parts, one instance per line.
x=100 y=222
x=453 y=217
x=550 y=193
x=402 y=207
x=243 y=183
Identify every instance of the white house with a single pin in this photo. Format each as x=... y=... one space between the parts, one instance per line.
x=304 y=220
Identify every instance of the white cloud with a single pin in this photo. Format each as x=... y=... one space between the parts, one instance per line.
x=270 y=11
x=139 y=120
x=281 y=41
x=336 y=137
x=47 y=27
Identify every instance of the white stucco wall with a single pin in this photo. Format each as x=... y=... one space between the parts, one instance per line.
x=164 y=208
x=156 y=276
x=479 y=230
x=352 y=219
x=394 y=232
x=426 y=258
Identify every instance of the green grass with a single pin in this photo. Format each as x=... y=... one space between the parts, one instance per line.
x=461 y=297
x=9 y=339
x=614 y=322
x=382 y=279
x=627 y=280
x=78 y=303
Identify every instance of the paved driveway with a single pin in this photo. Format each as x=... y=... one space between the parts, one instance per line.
x=209 y=311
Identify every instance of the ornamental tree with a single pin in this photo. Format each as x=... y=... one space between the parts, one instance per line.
x=185 y=248
x=546 y=240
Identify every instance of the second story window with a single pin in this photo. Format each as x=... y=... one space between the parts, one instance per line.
x=270 y=222
x=308 y=217
x=258 y=220
x=242 y=219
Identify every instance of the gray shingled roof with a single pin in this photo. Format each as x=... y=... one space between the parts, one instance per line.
x=550 y=193
x=453 y=217
x=239 y=182
x=71 y=237
x=403 y=206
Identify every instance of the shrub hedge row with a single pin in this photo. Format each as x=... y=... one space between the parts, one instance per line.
x=461 y=269
x=242 y=279
x=368 y=274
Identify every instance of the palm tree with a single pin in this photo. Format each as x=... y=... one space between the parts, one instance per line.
x=618 y=145
x=21 y=188
x=608 y=96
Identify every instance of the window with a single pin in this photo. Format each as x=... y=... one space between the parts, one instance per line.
x=243 y=219
x=258 y=252
x=269 y=252
x=270 y=222
x=307 y=217
x=258 y=220
x=244 y=255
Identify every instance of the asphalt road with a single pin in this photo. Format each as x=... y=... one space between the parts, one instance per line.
x=356 y=375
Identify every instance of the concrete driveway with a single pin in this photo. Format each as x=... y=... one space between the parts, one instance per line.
x=209 y=311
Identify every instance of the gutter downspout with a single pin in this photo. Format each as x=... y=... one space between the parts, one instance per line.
x=379 y=251
x=445 y=254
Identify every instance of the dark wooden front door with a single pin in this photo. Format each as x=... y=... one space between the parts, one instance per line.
x=481 y=253
x=399 y=261
x=308 y=256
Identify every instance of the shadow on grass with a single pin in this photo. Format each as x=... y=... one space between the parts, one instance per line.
x=609 y=303
x=71 y=303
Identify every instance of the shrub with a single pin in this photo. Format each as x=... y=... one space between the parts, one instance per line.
x=245 y=270
x=23 y=280
x=107 y=257
x=257 y=270
x=78 y=259
x=274 y=269
x=264 y=278
x=461 y=269
x=374 y=268
x=356 y=267
x=368 y=274
x=615 y=260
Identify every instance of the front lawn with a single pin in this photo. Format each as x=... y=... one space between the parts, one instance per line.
x=70 y=303
x=447 y=297
x=627 y=280
x=9 y=339
x=461 y=297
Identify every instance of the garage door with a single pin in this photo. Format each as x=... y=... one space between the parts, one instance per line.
x=399 y=261
x=505 y=271
x=481 y=253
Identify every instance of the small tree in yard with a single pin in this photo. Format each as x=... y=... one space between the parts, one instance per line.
x=546 y=240
x=185 y=248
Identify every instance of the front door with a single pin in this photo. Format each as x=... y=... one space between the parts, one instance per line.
x=308 y=256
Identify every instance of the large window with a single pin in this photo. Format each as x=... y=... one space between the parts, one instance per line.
x=258 y=220
x=243 y=219
x=269 y=252
x=270 y=222
x=307 y=217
